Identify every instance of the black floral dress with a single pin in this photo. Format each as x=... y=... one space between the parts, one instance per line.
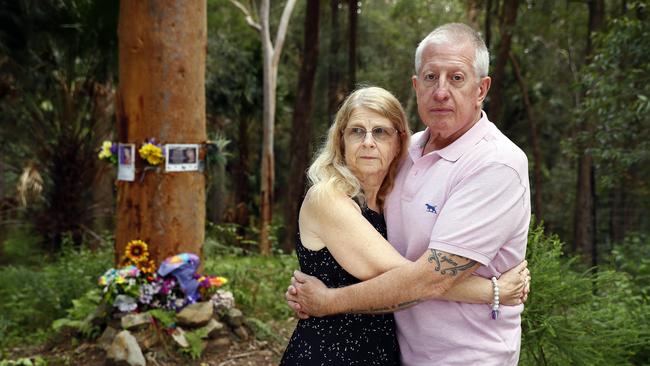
x=343 y=339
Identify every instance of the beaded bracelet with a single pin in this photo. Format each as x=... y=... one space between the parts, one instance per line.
x=495 y=303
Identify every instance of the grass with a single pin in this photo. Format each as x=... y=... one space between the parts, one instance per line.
x=36 y=289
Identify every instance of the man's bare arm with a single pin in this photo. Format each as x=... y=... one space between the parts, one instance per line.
x=429 y=277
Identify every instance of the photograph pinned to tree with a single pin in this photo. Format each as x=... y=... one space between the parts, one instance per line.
x=181 y=157
x=126 y=162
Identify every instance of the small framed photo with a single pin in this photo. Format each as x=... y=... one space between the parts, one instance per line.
x=126 y=162
x=181 y=157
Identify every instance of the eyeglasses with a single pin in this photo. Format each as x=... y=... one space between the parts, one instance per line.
x=379 y=134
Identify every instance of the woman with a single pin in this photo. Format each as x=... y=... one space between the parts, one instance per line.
x=351 y=177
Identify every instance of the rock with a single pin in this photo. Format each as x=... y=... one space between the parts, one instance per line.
x=136 y=321
x=106 y=339
x=146 y=338
x=221 y=342
x=234 y=317
x=214 y=328
x=125 y=349
x=179 y=337
x=241 y=332
x=196 y=315
x=99 y=316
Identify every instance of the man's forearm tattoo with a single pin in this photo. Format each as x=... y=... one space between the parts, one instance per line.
x=390 y=309
x=445 y=263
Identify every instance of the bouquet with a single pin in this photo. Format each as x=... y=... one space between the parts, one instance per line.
x=139 y=285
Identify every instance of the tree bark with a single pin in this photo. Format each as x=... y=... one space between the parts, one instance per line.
x=488 y=23
x=585 y=210
x=534 y=140
x=506 y=26
x=334 y=95
x=161 y=94
x=242 y=193
x=352 y=44
x=301 y=125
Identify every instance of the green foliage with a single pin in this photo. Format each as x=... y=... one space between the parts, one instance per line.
x=56 y=66
x=618 y=96
x=22 y=248
x=78 y=316
x=34 y=297
x=633 y=257
x=579 y=318
x=32 y=361
x=258 y=283
x=166 y=317
x=196 y=342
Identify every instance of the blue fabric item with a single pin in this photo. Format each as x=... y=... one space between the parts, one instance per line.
x=183 y=267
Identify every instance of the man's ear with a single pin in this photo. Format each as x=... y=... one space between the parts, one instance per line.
x=484 y=87
x=414 y=81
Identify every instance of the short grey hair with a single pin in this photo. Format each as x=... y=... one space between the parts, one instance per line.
x=456 y=32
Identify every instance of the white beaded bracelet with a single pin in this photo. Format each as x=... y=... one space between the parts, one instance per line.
x=495 y=303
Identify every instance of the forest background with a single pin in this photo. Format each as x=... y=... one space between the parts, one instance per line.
x=571 y=83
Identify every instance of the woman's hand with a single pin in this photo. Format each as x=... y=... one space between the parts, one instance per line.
x=514 y=285
x=307 y=296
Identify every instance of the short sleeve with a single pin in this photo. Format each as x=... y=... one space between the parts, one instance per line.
x=483 y=211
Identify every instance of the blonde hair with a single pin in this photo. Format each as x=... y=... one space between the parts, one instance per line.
x=329 y=173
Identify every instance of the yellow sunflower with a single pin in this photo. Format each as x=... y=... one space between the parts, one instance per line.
x=137 y=251
x=148 y=266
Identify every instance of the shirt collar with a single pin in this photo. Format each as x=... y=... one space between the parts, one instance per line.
x=456 y=149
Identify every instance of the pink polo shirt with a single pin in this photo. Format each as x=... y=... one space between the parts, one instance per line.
x=472 y=199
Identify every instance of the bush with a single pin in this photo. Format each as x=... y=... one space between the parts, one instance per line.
x=574 y=318
x=257 y=282
x=33 y=297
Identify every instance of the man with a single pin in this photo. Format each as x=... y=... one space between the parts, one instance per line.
x=460 y=206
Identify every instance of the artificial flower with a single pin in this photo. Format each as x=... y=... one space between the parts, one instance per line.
x=137 y=251
x=223 y=300
x=151 y=152
x=105 y=151
x=218 y=281
x=108 y=152
x=148 y=266
x=125 y=304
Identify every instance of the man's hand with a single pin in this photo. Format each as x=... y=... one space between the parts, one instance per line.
x=307 y=296
x=514 y=285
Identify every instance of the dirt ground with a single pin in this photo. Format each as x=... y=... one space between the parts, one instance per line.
x=251 y=352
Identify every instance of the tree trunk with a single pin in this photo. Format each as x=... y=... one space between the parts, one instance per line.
x=301 y=125
x=506 y=26
x=488 y=23
x=585 y=214
x=271 y=59
x=334 y=95
x=473 y=12
x=162 y=54
x=534 y=140
x=352 y=44
x=242 y=193
x=3 y=214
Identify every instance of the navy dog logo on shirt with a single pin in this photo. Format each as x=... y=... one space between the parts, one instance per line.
x=431 y=208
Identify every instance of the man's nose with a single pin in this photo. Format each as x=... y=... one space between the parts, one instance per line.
x=441 y=91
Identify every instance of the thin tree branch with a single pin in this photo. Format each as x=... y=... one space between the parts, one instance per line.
x=282 y=31
x=247 y=14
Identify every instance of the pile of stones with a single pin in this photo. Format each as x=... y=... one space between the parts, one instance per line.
x=133 y=338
